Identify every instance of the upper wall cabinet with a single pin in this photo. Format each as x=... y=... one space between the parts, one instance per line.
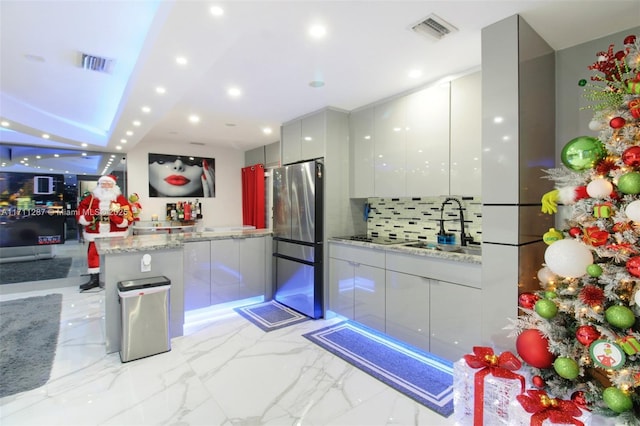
x=427 y=142
x=466 y=135
x=423 y=144
x=306 y=138
x=361 y=146
x=290 y=142
x=390 y=143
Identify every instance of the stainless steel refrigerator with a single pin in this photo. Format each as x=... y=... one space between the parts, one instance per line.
x=298 y=235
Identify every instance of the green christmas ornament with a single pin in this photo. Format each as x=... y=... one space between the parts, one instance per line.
x=546 y=308
x=550 y=294
x=582 y=82
x=566 y=367
x=629 y=183
x=617 y=400
x=594 y=270
x=582 y=153
x=620 y=316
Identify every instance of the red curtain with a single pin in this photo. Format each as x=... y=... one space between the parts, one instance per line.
x=253 y=196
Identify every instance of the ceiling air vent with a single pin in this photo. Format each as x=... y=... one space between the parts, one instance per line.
x=95 y=63
x=434 y=26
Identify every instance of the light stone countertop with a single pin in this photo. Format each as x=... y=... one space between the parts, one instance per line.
x=151 y=242
x=403 y=248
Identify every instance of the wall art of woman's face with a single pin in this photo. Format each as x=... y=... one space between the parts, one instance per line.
x=181 y=176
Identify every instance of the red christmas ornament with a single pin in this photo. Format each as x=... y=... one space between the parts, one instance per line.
x=633 y=266
x=575 y=232
x=634 y=108
x=587 y=334
x=538 y=382
x=605 y=166
x=630 y=39
x=591 y=295
x=533 y=348
x=620 y=54
x=528 y=300
x=617 y=122
x=631 y=156
x=578 y=398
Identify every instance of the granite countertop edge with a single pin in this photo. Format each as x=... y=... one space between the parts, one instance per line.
x=154 y=242
x=404 y=249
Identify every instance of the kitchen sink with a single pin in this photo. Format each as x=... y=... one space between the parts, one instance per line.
x=472 y=250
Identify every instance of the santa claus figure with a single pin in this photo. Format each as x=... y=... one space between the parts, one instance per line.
x=103 y=214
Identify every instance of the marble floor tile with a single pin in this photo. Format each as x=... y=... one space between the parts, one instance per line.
x=223 y=371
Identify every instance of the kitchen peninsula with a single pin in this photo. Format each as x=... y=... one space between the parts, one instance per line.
x=176 y=256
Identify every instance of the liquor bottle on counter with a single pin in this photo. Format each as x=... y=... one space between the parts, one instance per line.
x=180 y=211
x=187 y=210
x=198 y=209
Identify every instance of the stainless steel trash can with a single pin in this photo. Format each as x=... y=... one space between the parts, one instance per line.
x=145 y=307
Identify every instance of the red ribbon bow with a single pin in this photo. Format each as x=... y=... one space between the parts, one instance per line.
x=501 y=366
x=544 y=407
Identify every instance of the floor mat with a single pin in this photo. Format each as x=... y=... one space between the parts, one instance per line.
x=271 y=315
x=34 y=270
x=417 y=374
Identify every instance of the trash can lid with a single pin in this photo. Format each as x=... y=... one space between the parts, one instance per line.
x=143 y=283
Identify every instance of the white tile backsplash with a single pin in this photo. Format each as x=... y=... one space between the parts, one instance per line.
x=418 y=217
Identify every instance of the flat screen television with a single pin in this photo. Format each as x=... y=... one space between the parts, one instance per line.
x=31 y=209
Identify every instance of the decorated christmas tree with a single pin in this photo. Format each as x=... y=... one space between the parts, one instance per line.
x=580 y=334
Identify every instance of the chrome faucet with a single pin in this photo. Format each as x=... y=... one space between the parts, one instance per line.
x=464 y=238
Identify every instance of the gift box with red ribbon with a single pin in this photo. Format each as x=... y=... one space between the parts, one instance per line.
x=483 y=386
x=536 y=408
x=602 y=210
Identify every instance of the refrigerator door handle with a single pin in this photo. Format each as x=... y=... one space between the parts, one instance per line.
x=293 y=259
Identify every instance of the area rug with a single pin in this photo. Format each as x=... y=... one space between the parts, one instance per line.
x=271 y=315
x=28 y=335
x=417 y=374
x=34 y=270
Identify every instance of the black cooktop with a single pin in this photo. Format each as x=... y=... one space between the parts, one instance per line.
x=376 y=239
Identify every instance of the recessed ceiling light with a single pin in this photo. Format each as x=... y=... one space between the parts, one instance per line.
x=146 y=109
x=136 y=123
x=498 y=119
x=119 y=147
x=216 y=11
x=415 y=73
x=181 y=60
x=161 y=90
x=84 y=144
x=267 y=130
x=317 y=31
x=234 y=92
x=129 y=133
x=56 y=155
x=45 y=136
x=194 y=119
x=5 y=124
x=316 y=83
x=123 y=141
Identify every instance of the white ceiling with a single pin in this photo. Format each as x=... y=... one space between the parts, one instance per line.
x=260 y=46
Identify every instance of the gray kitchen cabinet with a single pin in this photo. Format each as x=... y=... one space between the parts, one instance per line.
x=306 y=138
x=466 y=135
x=456 y=312
x=362 y=153
x=225 y=270
x=290 y=142
x=407 y=307
x=357 y=284
x=427 y=141
x=390 y=146
x=197 y=274
x=313 y=136
x=253 y=276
